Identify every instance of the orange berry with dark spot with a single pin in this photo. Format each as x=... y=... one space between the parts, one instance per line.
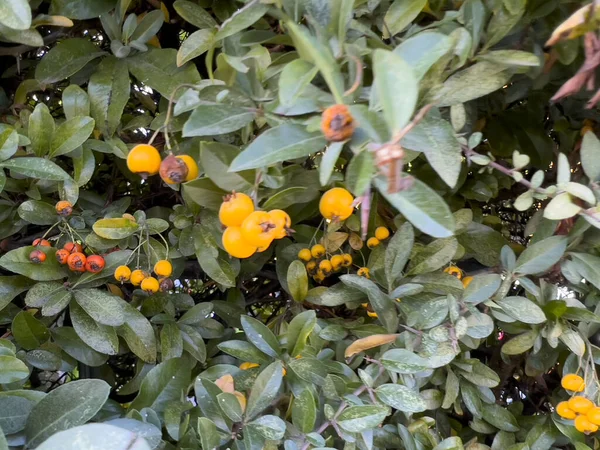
x=76 y=262
x=173 y=170
x=62 y=255
x=73 y=247
x=37 y=256
x=42 y=243
x=64 y=208
x=337 y=123
x=94 y=264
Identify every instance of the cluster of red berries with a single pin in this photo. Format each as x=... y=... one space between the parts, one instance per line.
x=71 y=254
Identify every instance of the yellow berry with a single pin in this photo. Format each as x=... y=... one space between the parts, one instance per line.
x=467 y=281
x=311 y=266
x=372 y=242
x=347 y=260
x=572 y=382
x=580 y=405
x=583 y=425
x=319 y=276
x=317 y=251
x=248 y=365
x=382 y=233
x=336 y=204
x=304 y=255
x=150 y=285
x=122 y=274
x=563 y=410
x=325 y=266
x=454 y=271
x=337 y=261
x=137 y=276
x=593 y=414
x=364 y=272
x=235 y=208
x=163 y=268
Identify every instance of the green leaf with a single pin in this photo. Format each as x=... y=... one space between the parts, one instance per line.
x=437 y=140
x=357 y=419
x=14 y=411
x=520 y=344
x=81 y=9
x=483 y=242
x=422 y=206
x=397 y=252
x=313 y=51
x=12 y=369
x=148 y=26
x=171 y=342
x=294 y=78
x=541 y=256
x=433 y=257
x=158 y=69
x=511 y=58
x=195 y=45
x=28 y=331
x=522 y=309
x=590 y=156
x=299 y=331
x=401 y=13
x=216 y=267
x=297 y=280
x=108 y=91
x=291 y=196
x=397 y=88
x=330 y=157
x=265 y=389
x=561 y=207
x=244 y=351
x=194 y=14
x=15 y=14
x=272 y=428
x=10 y=287
x=381 y=303
x=282 y=143
x=41 y=129
x=230 y=405
x=75 y=102
x=138 y=333
x=304 y=411
x=164 y=383
x=481 y=288
x=400 y=360
x=261 y=336
x=451 y=443
x=116 y=228
x=101 y=306
x=66 y=338
x=17 y=261
x=9 y=141
x=422 y=50
x=101 y=338
x=209 y=120
x=359 y=173
x=66 y=406
x=241 y=19
x=207 y=431
x=65 y=59
x=336 y=295
x=500 y=417
x=473 y=82
x=36 y=168
x=401 y=398
x=71 y=134
x=88 y=436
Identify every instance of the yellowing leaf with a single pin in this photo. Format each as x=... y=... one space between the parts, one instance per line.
x=360 y=345
x=573 y=27
x=225 y=383
x=241 y=398
x=333 y=241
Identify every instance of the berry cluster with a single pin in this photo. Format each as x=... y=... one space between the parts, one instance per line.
x=319 y=266
x=381 y=234
x=248 y=231
x=584 y=413
x=145 y=160
x=138 y=277
x=456 y=272
x=71 y=254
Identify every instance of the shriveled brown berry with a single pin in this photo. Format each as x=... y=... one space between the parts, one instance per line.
x=166 y=285
x=173 y=170
x=64 y=208
x=337 y=123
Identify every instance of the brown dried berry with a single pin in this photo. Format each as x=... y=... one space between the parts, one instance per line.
x=173 y=170
x=337 y=123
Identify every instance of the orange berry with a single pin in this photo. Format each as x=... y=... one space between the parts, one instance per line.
x=563 y=410
x=454 y=271
x=572 y=382
x=163 y=268
x=593 y=415
x=373 y=242
x=337 y=123
x=37 y=257
x=282 y=222
x=235 y=208
x=347 y=260
x=336 y=204
x=382 y=233
x=122 y=274
x=41 y=243
x=192 y=167
x=580 y=405
x=317 y=251
x=150 y=285
x=137 y=276
x=73 y=247
x=364 y=272
x=248 y=365
x=304 y=255
x=95 y=264
x=173 y=170
x=337 y=262
x=326 y=267
x=236 y=245
x=76 y=262
x=64 y=208
x=144 y=160
x=62 y=255
x=583 y=425
x=466 y=281
x=258 y=229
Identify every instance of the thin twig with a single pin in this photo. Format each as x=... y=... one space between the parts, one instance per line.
x=358 y=78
